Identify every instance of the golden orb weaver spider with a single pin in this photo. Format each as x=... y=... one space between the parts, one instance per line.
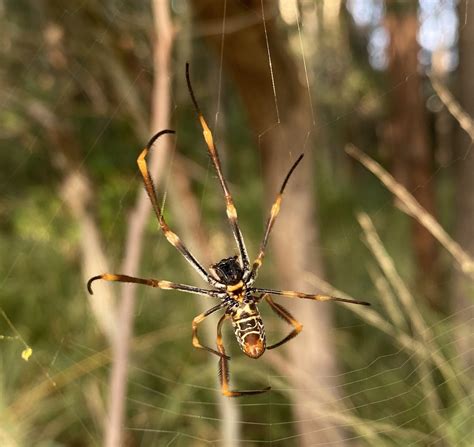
x=231 y=278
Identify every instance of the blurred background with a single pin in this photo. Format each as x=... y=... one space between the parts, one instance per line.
x=83 y=87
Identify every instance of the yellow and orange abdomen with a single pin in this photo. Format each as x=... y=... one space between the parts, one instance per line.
x=249 y=331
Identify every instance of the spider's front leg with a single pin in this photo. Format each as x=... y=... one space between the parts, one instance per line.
x=224 y=373
x=275 y=210
x=151 y=282
x=212 y=150
x=172 y=237
x=306 y=296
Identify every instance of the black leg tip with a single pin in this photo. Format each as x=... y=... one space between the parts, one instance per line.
x=249 y=393
x=89 y=283
x=158 y=135
x=362 y=303
x=344 y=300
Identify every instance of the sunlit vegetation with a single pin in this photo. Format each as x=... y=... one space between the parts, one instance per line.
x=76 y=93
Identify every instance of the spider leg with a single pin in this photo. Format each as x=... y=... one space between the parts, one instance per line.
x=306 y=296
x=285 y=315
x=172 y=238
x=224 y=373
x=230 y=207
x=160 y=284
x=275 y=210
x=196 y=343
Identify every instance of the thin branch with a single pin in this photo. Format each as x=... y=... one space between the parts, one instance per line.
x=414 y=209
x=464 y=120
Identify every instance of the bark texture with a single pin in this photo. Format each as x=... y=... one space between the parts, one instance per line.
x=408 y=135
x=283 y=125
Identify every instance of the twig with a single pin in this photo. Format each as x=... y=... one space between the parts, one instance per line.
x=464 y=120
x=414 y=209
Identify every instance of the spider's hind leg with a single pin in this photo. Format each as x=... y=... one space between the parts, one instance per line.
x=224 y=373
x=196 y=343
x=285 y=315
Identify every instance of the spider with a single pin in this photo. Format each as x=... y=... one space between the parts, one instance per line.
x=231 y=278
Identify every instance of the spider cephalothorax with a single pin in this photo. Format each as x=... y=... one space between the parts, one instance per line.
x=231 y=278
x=228 y=270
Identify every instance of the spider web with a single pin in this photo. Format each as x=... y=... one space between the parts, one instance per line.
x=398 y=388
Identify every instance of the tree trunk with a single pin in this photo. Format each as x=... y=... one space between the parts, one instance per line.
x=408 y=136
x=283 y=123
x=463 y=288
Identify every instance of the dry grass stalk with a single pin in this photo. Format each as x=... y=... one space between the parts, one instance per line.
x=403 y=340
x=417 y=322
x=388 y=299
x=341 y=411
x=464 y=120
x=388 y=267
x=414 y=209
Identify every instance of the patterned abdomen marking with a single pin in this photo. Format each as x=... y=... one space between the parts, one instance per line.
x=250 y=334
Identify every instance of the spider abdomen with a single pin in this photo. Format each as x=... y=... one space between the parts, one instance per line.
x=250 y=333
